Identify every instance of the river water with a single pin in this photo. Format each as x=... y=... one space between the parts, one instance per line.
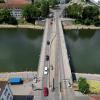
x=19 y=49
x=84 y=50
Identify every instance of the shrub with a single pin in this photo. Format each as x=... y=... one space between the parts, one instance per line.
x=83 y=85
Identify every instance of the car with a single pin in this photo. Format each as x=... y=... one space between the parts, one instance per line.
x=48 y=42
x=45 y=72
x=51 y=22
x=47 y=57
x=45 y=91
x=51 y=19
x=45 y=68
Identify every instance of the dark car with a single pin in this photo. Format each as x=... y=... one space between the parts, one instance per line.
x=45 y=91
x=48 y=42
x=47 y=57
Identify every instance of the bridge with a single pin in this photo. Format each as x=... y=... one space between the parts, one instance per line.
x=59 y=77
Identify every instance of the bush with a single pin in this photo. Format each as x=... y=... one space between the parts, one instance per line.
x=97 y=23
x=83 y=85
x=12 y=20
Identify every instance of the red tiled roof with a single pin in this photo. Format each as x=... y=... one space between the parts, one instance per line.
x=14 y=3
x=10 y=5
x=19 y=1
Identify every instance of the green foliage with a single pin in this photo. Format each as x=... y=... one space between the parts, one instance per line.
x=39 y=9
x=87 y=15
x=74 y=11
x=13 y=21
x=44 y=8
x=53 y=3
x=83 y=85
x=4 y=15
x=2 y=1
x=90 y=12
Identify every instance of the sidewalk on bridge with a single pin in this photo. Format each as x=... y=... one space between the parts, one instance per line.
x=42 y=56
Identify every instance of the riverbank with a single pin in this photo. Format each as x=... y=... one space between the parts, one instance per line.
x=22 y=26
x=25 y=75
x=66 y=26
x=88 y=76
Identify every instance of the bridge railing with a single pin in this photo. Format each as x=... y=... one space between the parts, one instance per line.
x=42 y=54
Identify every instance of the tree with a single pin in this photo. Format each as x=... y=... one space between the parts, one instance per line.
x=83 y=85
x=90 y=12
x=53 y=3
x=2 y=1
x=29 y=12
x=44 y=8
x=74 y=11
x=13 y=21
x=1 y=15
x=6 y=15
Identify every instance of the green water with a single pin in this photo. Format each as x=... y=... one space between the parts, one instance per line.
x=19 y=49
x=84 y=49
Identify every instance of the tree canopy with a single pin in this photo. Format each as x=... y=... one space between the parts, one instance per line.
x=85 y=15
x=2 y=1
x=53 y=3
x=83 y=85
x=38 y=9
x=91 y=12
x=4 y=15
x=75 y=10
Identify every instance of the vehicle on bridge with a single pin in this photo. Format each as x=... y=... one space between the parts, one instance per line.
x=45 y=70
x=45 y=91
x=48 y=42
x=47 y=57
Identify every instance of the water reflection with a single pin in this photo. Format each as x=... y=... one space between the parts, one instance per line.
x=84 y=49
x=83 y=34
x=19 y=49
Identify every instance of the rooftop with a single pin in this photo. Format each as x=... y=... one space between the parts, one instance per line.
x=18 y=1
x=2 y=86
x=14 y=3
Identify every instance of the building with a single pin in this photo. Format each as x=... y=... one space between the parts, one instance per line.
x=96 y=1
x=15 y=7
x=5 y=91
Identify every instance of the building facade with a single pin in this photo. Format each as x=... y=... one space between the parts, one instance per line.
x=5 y=91
x=15 y=7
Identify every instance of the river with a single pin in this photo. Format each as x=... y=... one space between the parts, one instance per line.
x=84 y=50
x=20 y=49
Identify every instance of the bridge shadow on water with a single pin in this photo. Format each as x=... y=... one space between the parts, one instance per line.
x=73 y=70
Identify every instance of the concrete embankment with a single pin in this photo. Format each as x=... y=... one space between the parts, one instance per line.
x=25 y=75
x=88 y=76
x=67 y=69
x=22 y=26
x=65 y=26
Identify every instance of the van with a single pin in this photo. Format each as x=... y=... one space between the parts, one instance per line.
x=45 y=91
